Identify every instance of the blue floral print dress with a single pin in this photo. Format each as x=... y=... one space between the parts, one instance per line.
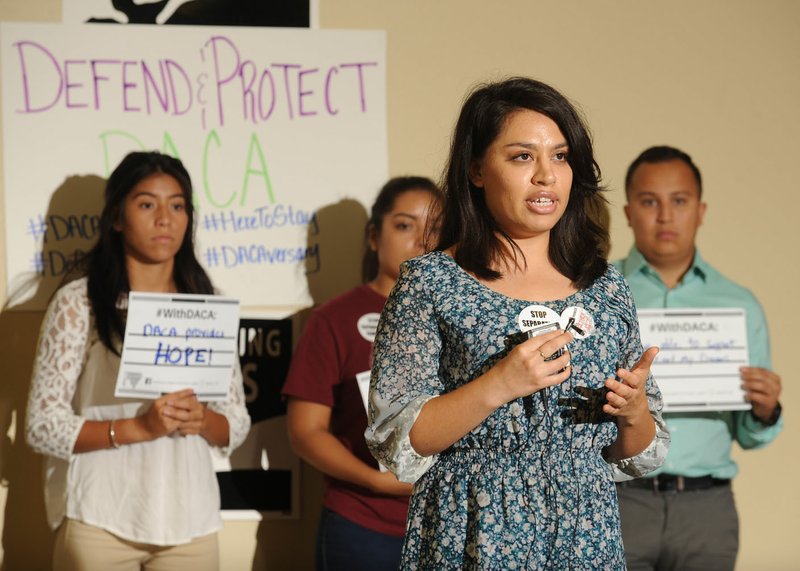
x=529 y=488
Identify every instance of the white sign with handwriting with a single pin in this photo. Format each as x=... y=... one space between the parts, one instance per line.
x=178 y=341
x=697 y=368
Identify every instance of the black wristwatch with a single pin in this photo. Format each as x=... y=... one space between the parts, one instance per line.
x=773 y=418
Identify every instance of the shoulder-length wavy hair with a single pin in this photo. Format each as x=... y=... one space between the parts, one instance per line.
x=104 y=264
x=383 y=204
x=577 y=242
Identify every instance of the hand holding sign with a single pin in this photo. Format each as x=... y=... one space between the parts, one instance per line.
x=762 y=389
x=162 y=418
x=188 y=411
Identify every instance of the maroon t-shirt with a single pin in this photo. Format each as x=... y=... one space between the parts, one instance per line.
x=336 y=345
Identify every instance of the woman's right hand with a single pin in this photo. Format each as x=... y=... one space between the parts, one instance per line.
x=387 y=484
x=448 y=417
x=308 y=424
x=525 y=370
x=164 y=415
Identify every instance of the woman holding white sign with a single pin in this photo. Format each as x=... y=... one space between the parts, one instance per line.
x=365 y=508
x=509 y=382
x=130 y=484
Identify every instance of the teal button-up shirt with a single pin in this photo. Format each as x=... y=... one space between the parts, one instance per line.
x=701 y=441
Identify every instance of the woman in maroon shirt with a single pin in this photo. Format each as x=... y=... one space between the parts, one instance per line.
x=364 y=515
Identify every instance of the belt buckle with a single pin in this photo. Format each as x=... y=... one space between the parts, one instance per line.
x=669 y=484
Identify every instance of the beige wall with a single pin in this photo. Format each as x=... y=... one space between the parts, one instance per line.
x=718 y=78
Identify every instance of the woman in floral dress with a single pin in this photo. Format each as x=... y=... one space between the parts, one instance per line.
x=513 y=444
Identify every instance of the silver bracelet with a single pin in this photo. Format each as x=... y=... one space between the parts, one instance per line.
x=112 y=435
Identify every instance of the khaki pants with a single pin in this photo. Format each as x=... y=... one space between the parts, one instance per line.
x=81 y=547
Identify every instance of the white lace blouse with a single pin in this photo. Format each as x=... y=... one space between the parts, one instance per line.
x=162 y=492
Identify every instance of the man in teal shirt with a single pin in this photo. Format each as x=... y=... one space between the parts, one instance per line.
x=683 y=516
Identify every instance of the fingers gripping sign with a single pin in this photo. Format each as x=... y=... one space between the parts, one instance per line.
x=627 y=398
x=192 y=414
x=163 y=417
x=762 y=389
x=179 y=412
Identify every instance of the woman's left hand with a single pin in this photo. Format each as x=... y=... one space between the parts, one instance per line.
x=190 y=413
x=627 y=400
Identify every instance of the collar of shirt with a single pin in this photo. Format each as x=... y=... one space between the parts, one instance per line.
x=636 y=263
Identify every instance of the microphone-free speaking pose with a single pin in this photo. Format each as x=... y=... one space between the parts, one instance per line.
x=514 y=447
x=129 y=482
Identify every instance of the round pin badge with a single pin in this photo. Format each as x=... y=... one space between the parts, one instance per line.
x=367 y=325
x=535 y=316
x=577 y=321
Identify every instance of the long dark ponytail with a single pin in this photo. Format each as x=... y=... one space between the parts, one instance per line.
x=384 y=203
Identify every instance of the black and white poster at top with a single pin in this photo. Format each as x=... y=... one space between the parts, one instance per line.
x=287 y=13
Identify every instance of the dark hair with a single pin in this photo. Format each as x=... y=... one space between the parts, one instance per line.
x=663 y=154
x=382 y=205
x=104 y=264
x=577 y=241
